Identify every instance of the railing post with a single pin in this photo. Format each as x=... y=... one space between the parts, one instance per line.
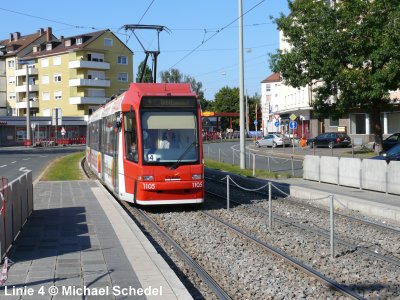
x=269 y=205
x=332 y=224
x=254 y=164
x=227 y=191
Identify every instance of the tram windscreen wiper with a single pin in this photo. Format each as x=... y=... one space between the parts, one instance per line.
x=176 y=164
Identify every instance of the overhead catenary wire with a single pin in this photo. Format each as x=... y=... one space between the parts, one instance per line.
x=212 y=36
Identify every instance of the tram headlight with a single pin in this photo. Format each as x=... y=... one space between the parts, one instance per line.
x=197 y=176
x=146 y=178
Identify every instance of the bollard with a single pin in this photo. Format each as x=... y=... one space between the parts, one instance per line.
x=292 y=166
x=332 y=223
x=269 y=166
x=227 y=191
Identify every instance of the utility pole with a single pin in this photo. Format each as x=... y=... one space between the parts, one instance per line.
x=28 y=111
x=241 y=92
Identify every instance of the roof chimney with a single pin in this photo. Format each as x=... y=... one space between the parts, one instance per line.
x=49 y=34
x=17 y=35
x=11 y=37
x=40 y=31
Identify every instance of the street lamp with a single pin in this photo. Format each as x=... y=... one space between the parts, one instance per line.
x=28 y=112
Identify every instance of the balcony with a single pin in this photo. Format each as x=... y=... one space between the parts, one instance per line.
x=22 y=104
x=87 y=100
x=87 y=64
x=89 y=82
x=22 y=72
x=22 y=88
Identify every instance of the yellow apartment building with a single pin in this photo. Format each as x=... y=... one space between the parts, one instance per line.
x=77 y=74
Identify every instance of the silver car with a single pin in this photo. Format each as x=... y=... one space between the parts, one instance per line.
x=273 y=140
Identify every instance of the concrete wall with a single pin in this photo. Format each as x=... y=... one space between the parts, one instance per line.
x=368 y=174
x=329 y=169
x=18 y=205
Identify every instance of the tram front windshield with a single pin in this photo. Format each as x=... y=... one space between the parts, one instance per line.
x=170 y=136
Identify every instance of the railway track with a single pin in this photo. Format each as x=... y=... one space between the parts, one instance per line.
x=222 y=255
x=299 y=223
x=366 y=262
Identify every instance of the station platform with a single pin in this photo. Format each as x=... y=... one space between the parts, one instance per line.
x=79 y=243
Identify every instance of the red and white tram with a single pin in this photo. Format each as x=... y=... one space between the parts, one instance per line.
x=146 y=146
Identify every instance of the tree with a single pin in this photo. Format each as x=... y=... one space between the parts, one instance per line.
x=147 y=77
x=175 y=76
x=346 y=51
x=227 y=100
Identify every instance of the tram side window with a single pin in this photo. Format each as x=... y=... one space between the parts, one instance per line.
x=109 y=135
x=94 y=135
x=131 y=142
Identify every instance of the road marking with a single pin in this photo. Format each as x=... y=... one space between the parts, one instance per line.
x=3 y=166
x=26 y=158
x=13 y=162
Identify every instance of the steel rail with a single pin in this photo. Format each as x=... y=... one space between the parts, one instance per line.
x=321 y=209
x=292 y=261
x=392 y=260
x=214 y=286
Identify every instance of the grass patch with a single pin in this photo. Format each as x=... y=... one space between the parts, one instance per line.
x=212 y=164
x=65 y=168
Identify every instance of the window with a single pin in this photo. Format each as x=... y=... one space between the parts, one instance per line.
x=11 y=63
x=108 y=42
x=333 y=122
x=169 y=136
x=122 y=60
x=11 y=79
x=56 y=60
x=49 y=46
x=12 y=96
x=45 y=79
x=123 y=77
x=357 y=124
x=57 y=77
x=268 y=87
x=79 y=41
x=131 y=136
x=45 y=96
x=58 y=95
x=44 y=62
x=96 y=57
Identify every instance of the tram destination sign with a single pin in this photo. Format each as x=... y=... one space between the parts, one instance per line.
x=150 y=102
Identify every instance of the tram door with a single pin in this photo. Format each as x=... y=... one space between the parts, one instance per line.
x=117 y=128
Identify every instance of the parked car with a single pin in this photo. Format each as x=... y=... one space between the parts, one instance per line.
x=392 y=154
x=273 y=140
x=330 y=139
x=392 y=140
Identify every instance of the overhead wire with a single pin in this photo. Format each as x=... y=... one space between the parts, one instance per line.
x=216 y=33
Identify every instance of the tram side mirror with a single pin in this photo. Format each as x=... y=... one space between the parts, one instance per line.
x=118 y=122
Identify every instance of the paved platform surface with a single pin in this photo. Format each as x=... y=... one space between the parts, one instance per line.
x=79 y=241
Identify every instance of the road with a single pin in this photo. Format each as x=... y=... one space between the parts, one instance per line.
x=15 y=160
x=229 y=152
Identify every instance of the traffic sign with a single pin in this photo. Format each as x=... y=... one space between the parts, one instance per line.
x=277 y=124
x=63 y=132
x=293 y=125
x=293 y=117
x=255 y=122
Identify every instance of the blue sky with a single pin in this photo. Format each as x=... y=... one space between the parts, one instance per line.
x=202 y=41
